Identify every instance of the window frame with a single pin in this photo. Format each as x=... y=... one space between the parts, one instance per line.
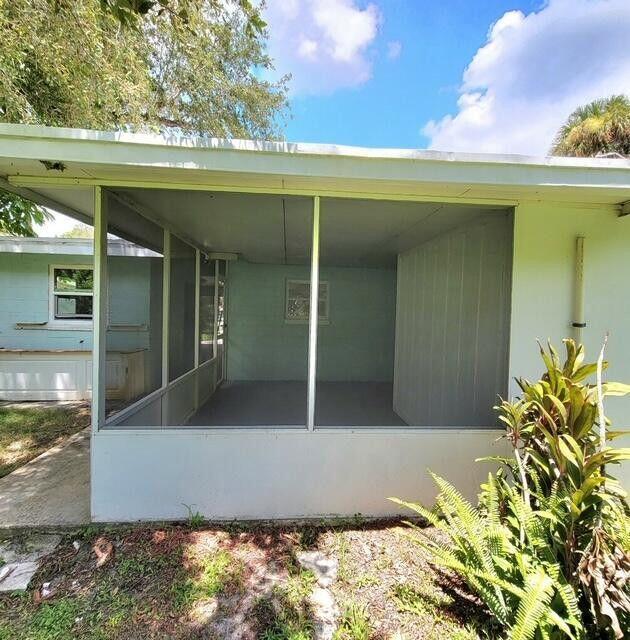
x=68 y=322
x=324 y=319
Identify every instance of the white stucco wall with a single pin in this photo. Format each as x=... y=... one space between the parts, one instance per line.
x=543 y=289
x=266 y=473
x=543 y=286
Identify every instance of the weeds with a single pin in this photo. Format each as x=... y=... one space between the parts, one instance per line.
x=195 y=519
x=354 y=623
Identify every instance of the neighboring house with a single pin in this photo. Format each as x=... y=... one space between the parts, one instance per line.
x=323 y=323
x=46 y=294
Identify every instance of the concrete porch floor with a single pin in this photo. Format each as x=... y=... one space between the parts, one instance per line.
x=51 y=490
x=283 y=403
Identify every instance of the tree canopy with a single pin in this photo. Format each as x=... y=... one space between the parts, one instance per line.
x=188 y=66
x=600 y=127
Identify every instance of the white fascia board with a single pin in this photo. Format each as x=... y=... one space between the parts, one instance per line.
x=71 y=247
x=95 y=149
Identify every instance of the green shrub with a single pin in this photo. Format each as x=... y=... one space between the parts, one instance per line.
x=547 y=547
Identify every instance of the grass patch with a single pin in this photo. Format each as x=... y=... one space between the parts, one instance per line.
x=54 y=621
x=26 y=433
x=219 y=573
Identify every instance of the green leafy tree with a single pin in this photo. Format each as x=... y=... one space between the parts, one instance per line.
x=600 y=127
x=18 y=215
x=187 y=66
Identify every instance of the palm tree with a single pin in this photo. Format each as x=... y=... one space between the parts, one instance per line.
x=598 y=128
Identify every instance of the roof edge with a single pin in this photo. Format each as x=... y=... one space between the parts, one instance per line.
x=201 y=143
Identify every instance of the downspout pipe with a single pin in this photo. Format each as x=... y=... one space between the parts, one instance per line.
x=578 y=323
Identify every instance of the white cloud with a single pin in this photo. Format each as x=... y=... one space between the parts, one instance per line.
x=324 y=44
x=394 y=49
x=533 y=71
x=55 y=227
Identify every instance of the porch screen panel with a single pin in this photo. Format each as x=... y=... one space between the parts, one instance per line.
x=262 y=310
x=206 y=309
x=181 y=309
x=134 y=313
x=356 y=318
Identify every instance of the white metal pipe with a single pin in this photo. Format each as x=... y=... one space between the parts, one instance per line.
x=313 y=319
x=99 y=310
x=578 y=294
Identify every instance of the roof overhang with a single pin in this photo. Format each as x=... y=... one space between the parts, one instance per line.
x=75 y=158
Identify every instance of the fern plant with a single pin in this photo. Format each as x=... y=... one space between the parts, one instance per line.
x=521 y=584
x=547 y=546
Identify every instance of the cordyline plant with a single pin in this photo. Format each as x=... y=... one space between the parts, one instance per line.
x=547 y=549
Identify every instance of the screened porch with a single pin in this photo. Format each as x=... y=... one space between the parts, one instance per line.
x=411 y=298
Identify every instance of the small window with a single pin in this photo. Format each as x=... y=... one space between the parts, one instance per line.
x=298 y=301
x=72 y=291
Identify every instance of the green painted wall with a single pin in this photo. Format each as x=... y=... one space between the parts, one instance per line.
x=357 y=344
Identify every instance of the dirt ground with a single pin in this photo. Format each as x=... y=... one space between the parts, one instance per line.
x=194 y=581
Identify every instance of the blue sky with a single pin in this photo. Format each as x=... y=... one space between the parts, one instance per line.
x=437 y=40
x=457 y=75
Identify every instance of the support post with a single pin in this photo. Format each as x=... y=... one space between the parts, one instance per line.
x=226 y=317
x=99 y=309
x=197 y=306
x=313 y=319
x=166 y=299
x=215 y=321
x=578 y=296
x=197 y=303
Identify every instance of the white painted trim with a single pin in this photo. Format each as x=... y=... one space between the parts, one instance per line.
x=313 y=319
x=63 y=323
x=99 y=309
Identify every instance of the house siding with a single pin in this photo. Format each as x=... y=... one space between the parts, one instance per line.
x=24 y=298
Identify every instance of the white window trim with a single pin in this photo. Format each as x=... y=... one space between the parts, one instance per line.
x=60 y=323
x=325 y=319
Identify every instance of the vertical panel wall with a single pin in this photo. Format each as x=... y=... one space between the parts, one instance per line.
x=452 y=325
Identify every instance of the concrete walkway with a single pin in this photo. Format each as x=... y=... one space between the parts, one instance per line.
x=51 y=490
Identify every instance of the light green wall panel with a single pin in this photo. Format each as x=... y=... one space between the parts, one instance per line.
x=24 y=298
x=357 y=343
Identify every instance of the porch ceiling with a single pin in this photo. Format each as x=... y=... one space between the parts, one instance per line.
x=275 y=229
